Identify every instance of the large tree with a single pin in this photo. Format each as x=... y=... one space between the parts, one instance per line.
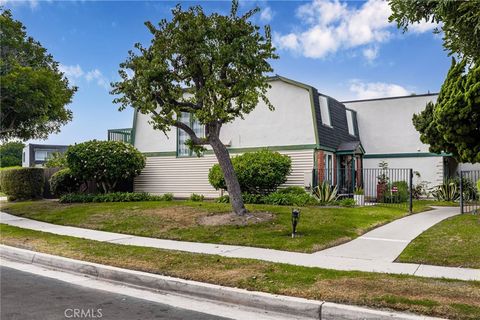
x=34 y=92
x=452 y=124
x=210 y=66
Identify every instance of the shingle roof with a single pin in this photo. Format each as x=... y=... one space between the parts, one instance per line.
x=330 y=137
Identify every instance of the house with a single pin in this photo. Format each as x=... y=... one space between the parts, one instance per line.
x=327 y=140
x=35 y=155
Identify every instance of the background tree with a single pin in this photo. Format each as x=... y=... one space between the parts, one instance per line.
x=452 y=124
x=459 y=21
x=11 y=154
x=34 y=92
x=222 y=60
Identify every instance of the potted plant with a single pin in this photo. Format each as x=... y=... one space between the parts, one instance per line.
x=359 y=196
x=382 y=184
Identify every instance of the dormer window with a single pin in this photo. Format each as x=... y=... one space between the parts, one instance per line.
x=351 y=129
x=325 y=111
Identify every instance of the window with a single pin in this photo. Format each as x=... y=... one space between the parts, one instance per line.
x=351 y=129
x=182 y=136
x=41 y=155
x=328 y=165
x=324 y=111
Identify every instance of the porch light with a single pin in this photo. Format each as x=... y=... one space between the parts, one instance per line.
x=295 y=219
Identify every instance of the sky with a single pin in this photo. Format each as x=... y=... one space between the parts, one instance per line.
x=346 y=49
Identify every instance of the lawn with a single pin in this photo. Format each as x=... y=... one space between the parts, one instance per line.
x=318 y=228
x=453 y=242
x=436 y=297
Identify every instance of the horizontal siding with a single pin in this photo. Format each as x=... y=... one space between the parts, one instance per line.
x=184 y=176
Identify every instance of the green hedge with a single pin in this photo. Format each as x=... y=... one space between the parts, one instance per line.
x=258 y=172
x=113 y=197
x=22 y=183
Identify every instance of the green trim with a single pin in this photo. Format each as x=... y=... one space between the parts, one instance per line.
x=405 y=155
x=314 y=116
x=134 y=126
x=324 y=148
x=238 y=150
x=160 y=154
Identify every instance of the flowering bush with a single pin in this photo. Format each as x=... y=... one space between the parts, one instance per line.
x=105 y=162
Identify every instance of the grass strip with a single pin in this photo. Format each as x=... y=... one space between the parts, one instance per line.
x=435 y=297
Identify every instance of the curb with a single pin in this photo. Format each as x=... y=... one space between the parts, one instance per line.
x=297 y=307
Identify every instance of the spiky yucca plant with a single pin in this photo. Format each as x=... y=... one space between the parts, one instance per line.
x=325 y=194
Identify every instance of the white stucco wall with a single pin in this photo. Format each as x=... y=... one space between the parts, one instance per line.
x=26 y=156
x=386 y=125
x=290 y=124
x=430 y=168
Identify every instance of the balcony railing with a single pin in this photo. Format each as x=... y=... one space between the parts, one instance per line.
x=124 y=135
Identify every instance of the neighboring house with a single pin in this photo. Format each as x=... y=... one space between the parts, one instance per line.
x=35 y=155
x=327 y=140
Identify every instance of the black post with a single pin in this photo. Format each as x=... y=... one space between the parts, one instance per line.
x=461 y=192
x=410 y=199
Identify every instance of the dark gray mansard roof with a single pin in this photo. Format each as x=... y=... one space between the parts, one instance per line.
x=329 y=137
x=334 y=136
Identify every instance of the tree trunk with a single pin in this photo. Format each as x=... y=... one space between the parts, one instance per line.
x=233 y=187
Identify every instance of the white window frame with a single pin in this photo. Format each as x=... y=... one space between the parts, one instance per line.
x=328 y=166
x=182 y=136
x=351 y=128
x=325 y=111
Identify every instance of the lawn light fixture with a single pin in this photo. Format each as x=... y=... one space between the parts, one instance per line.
x=295 y=219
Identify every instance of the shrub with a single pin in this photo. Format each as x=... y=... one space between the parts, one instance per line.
x=63 y=182
x=346 y=202
x=293 y=190
x=258 y=172
x=358 y=191
x=325 y=194
x=113 y=197
x=224 y=199
x=252 y=198
x=22 y=183
x=478 y=187
x=446 y=192
x=401 y=195
x=289 y=199
x=196 y=197
x=106 y=162
x=58 y=160
x=167 y=197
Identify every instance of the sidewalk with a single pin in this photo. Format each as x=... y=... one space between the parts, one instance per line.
x=372 y=252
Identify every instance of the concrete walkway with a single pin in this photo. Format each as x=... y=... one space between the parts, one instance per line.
x=375 y=251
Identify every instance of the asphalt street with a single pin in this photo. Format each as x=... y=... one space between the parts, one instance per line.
x=27 y=296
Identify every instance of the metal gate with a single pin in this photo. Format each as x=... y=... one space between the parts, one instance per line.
x=470 y=191
x=380 y=186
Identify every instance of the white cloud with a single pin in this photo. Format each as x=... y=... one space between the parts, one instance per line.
x=370 y=53
x=72 y=72
x=331 y=25
x=75 y=73
x=97 y=75
x=32 y=3
x=371 y=90
x=423 y=26
x=266 y=14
